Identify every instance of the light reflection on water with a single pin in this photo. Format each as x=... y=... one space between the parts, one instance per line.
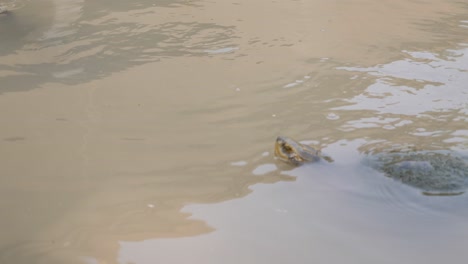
x=424 y=95
x=443 y=81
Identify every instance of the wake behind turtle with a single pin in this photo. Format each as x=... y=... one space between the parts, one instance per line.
x=435 y=173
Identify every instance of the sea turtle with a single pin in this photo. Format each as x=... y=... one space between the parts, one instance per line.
x=434 y=172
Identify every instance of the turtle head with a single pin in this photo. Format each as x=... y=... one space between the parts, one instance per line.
x=288 y=150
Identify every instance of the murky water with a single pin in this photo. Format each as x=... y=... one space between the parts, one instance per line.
x=142 y=131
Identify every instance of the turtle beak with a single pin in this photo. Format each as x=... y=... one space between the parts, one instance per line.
x=280 y=141
x=278 y=145
x=282 y=149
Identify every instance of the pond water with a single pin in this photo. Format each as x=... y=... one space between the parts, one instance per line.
x=143 y=131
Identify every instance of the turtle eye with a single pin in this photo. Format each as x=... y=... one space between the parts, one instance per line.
x=287 y=148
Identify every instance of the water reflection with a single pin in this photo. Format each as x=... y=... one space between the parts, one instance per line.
x=413 y=94
x=86 y=42
x=441 y=79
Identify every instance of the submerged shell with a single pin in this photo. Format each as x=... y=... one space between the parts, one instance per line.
x=433 y=172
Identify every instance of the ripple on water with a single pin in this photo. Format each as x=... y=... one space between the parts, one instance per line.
x=10 y=5
x=442 y=78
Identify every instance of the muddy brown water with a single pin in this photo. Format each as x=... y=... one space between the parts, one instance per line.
x=142 y=131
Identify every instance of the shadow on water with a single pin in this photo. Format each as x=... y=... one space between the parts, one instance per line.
x=84 y=50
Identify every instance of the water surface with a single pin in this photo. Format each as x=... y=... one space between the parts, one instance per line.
x=142 y=131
